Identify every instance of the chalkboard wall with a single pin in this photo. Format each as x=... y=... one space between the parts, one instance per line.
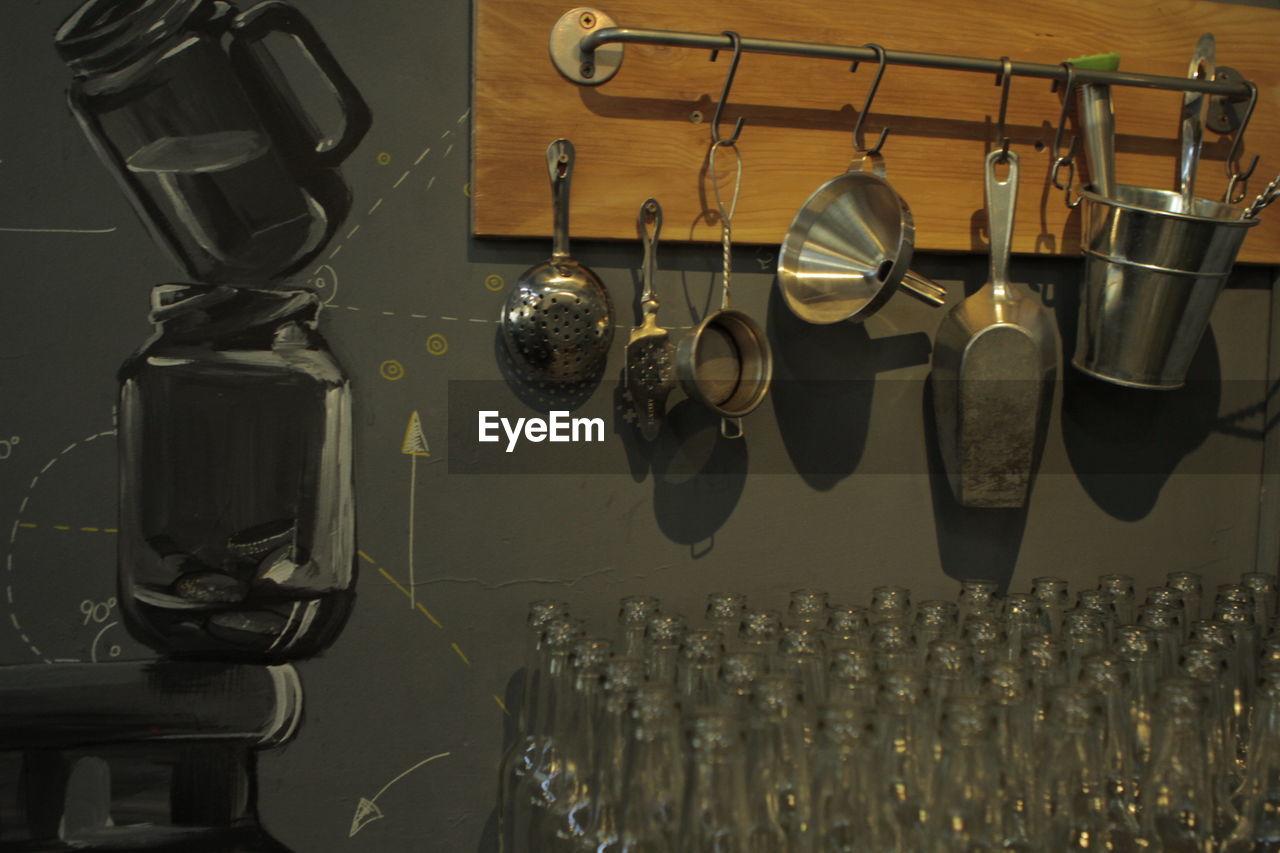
x=835 y=485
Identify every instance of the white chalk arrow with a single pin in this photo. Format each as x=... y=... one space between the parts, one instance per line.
x=413 y=446
x=367 y=810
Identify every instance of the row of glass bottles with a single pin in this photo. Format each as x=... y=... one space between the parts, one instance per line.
x=1014 y=723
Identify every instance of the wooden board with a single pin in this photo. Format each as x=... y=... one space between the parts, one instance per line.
x=635 y=137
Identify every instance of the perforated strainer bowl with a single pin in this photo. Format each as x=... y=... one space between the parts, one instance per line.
x=558 y=321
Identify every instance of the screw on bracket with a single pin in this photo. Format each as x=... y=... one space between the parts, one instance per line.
x=588 y=70
x=587 y=20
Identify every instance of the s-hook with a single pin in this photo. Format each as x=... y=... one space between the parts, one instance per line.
x=1065 y=159
x=716 y=139
x=1237 y=179
x=1002 y=80
x=866 y=105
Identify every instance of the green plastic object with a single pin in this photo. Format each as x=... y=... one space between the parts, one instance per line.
x=1098 y=61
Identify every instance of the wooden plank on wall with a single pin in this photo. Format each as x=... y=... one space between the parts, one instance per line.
x=637 y=135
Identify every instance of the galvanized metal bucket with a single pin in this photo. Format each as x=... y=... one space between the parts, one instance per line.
x=1153 y=270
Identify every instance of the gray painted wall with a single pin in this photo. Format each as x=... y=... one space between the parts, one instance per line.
x=832 y=486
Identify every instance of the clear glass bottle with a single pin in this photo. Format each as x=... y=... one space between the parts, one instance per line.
x=1097 y=602
x=715 y=815
x=1263 y=587
x=808 y=608
x=1021 y=618
x=901 y=758
x=977 y=596
x=698 y=670
x=851 y=677
x=1171 y=598
x=1191 y=585
x=739 y=671
x=724 y=614
x=662 y=638
x=847 y=628
x=653 y=786
x=1007 y=689
x=1139 y=651
x=598 y=816
x=634 y=613
x=1072 y=802
x=1163 y=620
x=759 y=633
x=890 y=602
x=1054 y=597
x=521 y=757
x=802 y=659
x=1259 y=796
x=843 y=815
x=935 y=620
x=237 y=507
x=1176 y=799
x=530 y=799
x=779 y=793
x=1120 y=589
x=1206 y=664
x=1103 y=673
x=568 y=788
x=964 y=815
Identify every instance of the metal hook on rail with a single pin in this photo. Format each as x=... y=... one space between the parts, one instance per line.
x=1002 y=80
x=1065 y=159
x=866 y=105
x=1237 y=179
x=716 y=139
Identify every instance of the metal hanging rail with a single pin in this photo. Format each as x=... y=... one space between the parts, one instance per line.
x=587 y=49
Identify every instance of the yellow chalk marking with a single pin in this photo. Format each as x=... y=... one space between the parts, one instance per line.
x=433 y=619
x=26 y=524
x=384 y=159
x=61 y=527
x=437 y=345
x=110 y=530
x=458 y=649
x=494 y=282
x=366 y=558
x=89 y=529
x=391 y=370
x=394 y=582
x=501 y=705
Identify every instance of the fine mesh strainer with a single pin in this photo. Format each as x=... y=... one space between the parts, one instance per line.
x=558 y=322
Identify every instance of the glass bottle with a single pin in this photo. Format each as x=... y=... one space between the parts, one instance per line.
x=890 y=602
x=568 y=787
x=893 y=644
x=530 y=799
x=653 y=786
x=1054 y=597
x=1139 y=651
x=801 y=658
x=1259 y=796
x=1007 y=689
x=847 y=628
x=964 y=815
x=977 y=596
x=1171 y=598
x=1072 y=793
x=935 y=620
x=1239 y=619
x=1175 y=799
x=186 y=105
x=985 y=643
x=714 y=814
x=662 y=638
x=597 y=816
x=1082 y=635
x=739 y=671
x=1097 y=602
x=759 y=633
x=851 y=677
x=1263 y=587
x=521 y=756
x=947 y=668
x=724 y=614
x=901 y=758
x=1046 y=662
x=779 y=788
x=1120 y=589
x=1205 y=663
x=843 y=815
x=698 y=670
x=1163 y=620
x=1191 y=585
x=1102 y=673
x=237 y=508
x=808 y=608
x=634 y=613
x=1021 y=618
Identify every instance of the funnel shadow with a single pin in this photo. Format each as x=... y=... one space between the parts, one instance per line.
x=698 y=476
x=972 y=542
x=824 y=383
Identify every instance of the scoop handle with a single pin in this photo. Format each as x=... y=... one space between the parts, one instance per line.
x=560 y=170
x=649 y=221
x=1002 y=201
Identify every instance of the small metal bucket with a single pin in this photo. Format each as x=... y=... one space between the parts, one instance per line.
x=1153 y=270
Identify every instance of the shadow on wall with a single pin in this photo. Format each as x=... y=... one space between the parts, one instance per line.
x=1124 y=443
x=824 y=384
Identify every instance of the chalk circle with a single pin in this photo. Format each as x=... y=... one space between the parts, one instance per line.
x=494 y=282
x=466 y=189
x=437 y=345
x=384 y=159
x=391 y=370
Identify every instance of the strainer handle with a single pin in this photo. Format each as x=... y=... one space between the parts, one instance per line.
x=731 y=427
x=650 y=222
x=560 y=170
